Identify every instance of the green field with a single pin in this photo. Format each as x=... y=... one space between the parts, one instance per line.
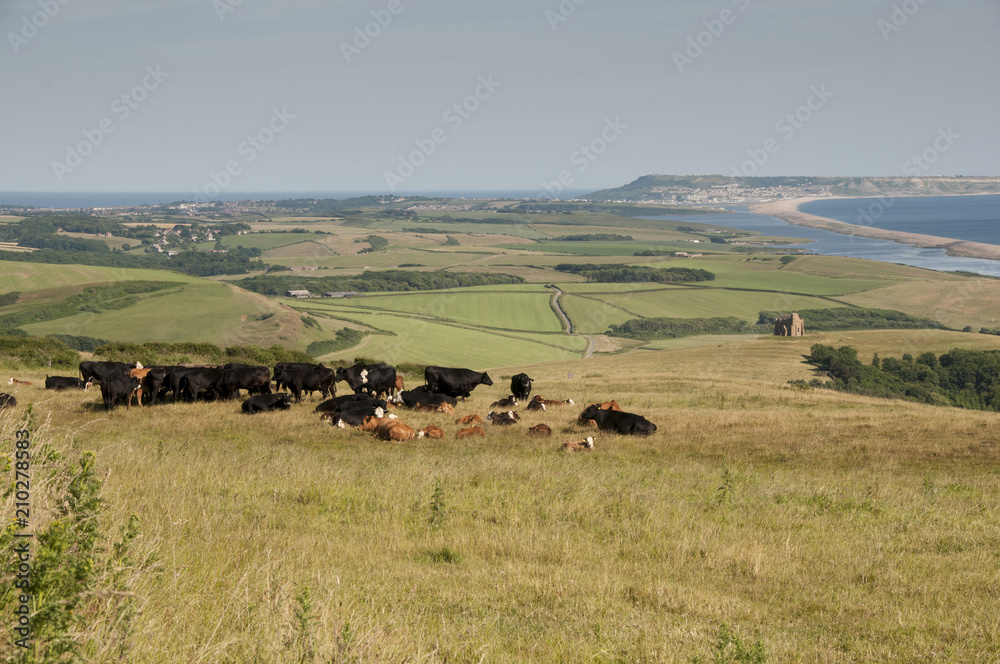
x=528 y=312
x=27 y=277
x=268 y=240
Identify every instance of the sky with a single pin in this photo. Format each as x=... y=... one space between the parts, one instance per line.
x=406 y=96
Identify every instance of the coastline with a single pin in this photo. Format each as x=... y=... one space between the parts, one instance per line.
x=788 y=210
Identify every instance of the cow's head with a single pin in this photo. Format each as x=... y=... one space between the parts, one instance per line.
x=485 y=380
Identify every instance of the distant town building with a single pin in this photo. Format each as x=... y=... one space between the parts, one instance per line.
x=789 y=325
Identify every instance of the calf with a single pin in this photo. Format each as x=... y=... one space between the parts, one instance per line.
x=399 y=387
x=503 y=419
x=440 y=408
x=15 y=381
x=431 y=432
x=264 y=403
x=579 y=446
x=540 y=430
x=624 y=423
x=65 y=383
x=538 y=398
x=7 y=400
x=388 y=429
x=507 y=402
x=471 y=431
x=470 y=419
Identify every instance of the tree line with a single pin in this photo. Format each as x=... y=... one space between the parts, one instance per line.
x=627 y=274
x=373 y=281
x=960 y=378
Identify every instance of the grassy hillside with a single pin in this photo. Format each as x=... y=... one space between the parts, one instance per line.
x=815 y=525
x=198 y=310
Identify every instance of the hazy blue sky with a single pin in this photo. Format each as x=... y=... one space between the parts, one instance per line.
x=328 y=111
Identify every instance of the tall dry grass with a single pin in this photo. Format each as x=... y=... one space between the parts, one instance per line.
x=827 y=527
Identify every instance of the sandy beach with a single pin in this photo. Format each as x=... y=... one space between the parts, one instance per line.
x=788 y=210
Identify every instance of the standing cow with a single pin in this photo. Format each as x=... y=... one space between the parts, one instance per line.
x=520 y=386
x=454 y=382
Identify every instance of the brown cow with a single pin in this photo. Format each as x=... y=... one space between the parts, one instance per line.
x=538 y=398
x=470 y=419
x=387 y=428
x=438 y=408
x=399 y=384
x=579 y=446
x=471 y=431
x=139 y=373
x=540 y=430
x=431 y=432
x=15 y=381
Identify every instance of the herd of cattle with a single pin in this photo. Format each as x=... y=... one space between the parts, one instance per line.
x=374 y=390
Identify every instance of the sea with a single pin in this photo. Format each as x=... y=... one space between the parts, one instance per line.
x=78 y=200
x=973 y=218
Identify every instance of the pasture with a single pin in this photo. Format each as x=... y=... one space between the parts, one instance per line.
x=816 y=526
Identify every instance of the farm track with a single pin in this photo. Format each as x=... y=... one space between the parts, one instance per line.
x=568 y=324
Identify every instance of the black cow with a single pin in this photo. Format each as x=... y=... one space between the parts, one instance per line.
x=375 y=379
x=262 y=403
x=347 y=401
x=255 y=380
x=616 y=420
x=116 y=389
x=355 y=414
x=65 y=383
x=314 y=378
x=153 y=383
x=520 y=386
x=507 y=402
x=195 y=381
x=95 y=372
x=7 y=400
x=421 y=396
x=454 y=382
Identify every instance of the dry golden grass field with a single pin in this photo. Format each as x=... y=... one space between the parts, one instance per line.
x=762 y=522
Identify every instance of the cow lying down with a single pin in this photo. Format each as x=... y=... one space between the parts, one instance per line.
x=618 y=421
x=386 y=428
x=538 y=402
x=264 y=403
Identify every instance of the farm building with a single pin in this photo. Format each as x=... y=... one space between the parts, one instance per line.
x=298 y=293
